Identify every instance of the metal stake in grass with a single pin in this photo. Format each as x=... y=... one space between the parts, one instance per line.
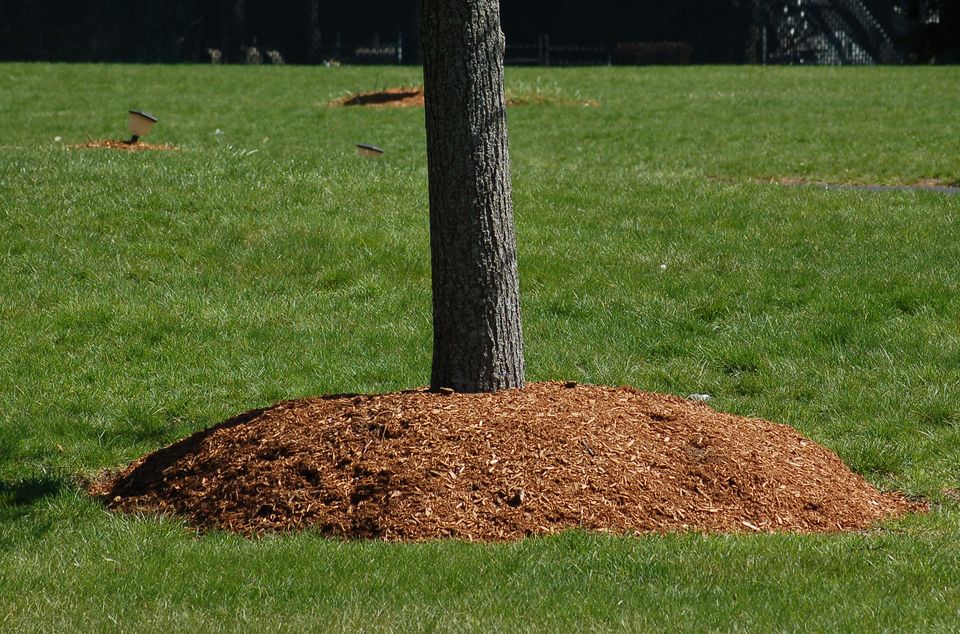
x=363 y=149
x=140 y=125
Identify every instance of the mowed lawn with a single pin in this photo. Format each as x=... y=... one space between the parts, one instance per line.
x=144 y=296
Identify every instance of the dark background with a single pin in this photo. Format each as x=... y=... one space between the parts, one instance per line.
x=311 y=31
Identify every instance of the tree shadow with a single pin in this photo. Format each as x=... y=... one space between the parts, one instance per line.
x=383 y=97
x=26 y=492
x=19 y=497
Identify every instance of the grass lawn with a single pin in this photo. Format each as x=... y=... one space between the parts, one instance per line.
x=147 y=295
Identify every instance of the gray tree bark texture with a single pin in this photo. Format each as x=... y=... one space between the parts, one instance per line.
x=477 y=339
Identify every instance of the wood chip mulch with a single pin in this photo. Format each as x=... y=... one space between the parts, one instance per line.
x=400 y=97
x=412 y=97
x=416 y=465
x=108 y=144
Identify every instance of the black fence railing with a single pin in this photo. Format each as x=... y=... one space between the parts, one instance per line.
x=644 y=53
x=543 y=53
x=366 y=52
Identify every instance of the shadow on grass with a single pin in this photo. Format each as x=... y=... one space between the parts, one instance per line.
x=28 y=491
x=20 y=496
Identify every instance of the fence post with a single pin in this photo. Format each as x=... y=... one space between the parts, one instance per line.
x=399 y=47
x=764 y=46
x=546 y=49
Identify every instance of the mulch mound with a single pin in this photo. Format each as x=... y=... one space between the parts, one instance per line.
x=418 y=465
x=139 y=146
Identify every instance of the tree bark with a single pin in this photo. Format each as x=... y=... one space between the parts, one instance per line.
x=477 y=341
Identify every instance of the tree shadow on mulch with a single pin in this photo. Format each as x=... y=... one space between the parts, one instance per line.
x=152 y=469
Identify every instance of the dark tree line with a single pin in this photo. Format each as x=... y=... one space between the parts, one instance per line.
x=303 y=31
x=310 y=31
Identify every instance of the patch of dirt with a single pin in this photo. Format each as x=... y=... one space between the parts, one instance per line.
x=107 y=144
x=952 y=493
x=418 y=465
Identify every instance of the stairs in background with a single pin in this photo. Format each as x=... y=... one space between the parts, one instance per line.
x=830 y=32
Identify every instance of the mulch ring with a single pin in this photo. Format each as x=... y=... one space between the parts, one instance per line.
x=401 y=97
x=412 y=97
x=416 y=465
x=139 y=146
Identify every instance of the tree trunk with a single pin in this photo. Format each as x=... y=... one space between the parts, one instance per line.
x=313 y=31
x=477 y=343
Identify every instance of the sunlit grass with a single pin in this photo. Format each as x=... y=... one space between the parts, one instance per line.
x=145 y=296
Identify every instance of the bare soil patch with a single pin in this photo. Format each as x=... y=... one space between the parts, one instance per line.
x=417 y=465
x=926 y=184
x=107 y=144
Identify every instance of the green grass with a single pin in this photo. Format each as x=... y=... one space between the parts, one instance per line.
x=145 y=296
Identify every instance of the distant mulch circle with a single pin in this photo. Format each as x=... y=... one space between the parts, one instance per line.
x=401 y=97
x=417 y=465
x=412 y=97
x=139 y=146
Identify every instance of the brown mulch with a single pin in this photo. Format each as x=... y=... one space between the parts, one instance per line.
x=418 y=465
x=401 y=97
x=412 y=97
x=108 y=144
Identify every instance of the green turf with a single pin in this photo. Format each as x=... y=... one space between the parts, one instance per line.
x=145 y=296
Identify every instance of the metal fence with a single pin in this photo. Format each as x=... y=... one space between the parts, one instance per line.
x=543 y=53
x=812 y=32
